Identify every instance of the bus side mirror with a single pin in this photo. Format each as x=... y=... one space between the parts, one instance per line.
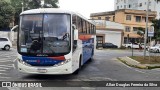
x=75 y=32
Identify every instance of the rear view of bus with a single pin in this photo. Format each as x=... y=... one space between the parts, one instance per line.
x=45 y=42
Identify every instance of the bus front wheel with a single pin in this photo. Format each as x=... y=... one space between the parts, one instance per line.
x=79 y=67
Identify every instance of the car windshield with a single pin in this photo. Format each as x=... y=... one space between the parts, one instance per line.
x=44 y=34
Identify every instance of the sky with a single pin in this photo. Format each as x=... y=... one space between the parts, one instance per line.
x=85 y=7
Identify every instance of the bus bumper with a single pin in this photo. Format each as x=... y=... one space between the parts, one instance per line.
x=63 y=69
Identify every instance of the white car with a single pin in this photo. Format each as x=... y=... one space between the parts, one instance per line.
x=129 y=45
x=5 y=43
x=142 y=45
x=155 y=48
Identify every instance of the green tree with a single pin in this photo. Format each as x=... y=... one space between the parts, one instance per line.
x=17 y=4
x=50 y=4
x=6 y=13
x=141 y=32
x=156 y=25
x=30 y=4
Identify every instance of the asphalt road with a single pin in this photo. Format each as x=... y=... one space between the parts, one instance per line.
x=104 y=67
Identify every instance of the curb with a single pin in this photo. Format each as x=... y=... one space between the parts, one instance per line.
x=138 y=65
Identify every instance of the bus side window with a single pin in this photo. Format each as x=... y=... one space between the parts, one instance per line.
x=74 y=22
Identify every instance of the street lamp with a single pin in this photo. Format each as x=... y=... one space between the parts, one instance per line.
x=146 y=31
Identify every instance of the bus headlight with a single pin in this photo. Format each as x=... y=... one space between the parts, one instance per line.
x=21 y=61
x=64 y=62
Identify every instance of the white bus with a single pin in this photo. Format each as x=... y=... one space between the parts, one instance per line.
x=54 y=41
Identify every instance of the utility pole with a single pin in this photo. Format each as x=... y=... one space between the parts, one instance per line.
x=146 y=31
x=22 y=5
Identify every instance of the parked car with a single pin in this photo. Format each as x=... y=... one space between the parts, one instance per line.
x=109 y=45
x=142 y=45
x=155 y=48
x=129 y=45
x=5 y=43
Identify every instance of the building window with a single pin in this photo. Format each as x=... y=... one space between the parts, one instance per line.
x=127 y=29
x=107 y=18
x=149 y=3
x=138 y=18
x=135 y=29
x=124 y=1
x=99 y=18
x=140 y=5
x=129 y=6
x=124 y=6
x=128 y=17
x=117 y=7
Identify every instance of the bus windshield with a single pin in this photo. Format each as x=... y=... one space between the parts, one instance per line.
x=44 y=34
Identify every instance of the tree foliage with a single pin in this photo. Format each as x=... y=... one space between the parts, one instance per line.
x=51 y=3
x=6 y=14
x=141 y=31
x=31 y=4
x=156 y=25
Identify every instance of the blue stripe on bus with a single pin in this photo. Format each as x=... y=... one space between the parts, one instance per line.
x=88 y=46
x=40 y=61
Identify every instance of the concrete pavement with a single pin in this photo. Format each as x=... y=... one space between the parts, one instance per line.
x=133 y=63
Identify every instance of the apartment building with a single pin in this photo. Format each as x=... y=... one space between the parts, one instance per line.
x=138 y=5
x=131 y=19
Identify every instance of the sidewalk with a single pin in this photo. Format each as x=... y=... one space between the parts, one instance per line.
x=133 y=63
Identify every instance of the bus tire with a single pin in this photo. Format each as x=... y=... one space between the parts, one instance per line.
x=91 y=59
x=80 y=64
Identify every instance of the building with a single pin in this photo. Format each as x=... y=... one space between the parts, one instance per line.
x=131 y=19
x=107 y=31
x=138 y=5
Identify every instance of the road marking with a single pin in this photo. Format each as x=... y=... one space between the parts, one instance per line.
x=6 y=77
x=14 y=66
x=4 y=68
x=6 y=61
x=3 y=74
x=10 y=65
x=140 y=71
x=14 y=60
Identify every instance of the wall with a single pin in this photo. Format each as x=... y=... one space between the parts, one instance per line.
x=114 y=37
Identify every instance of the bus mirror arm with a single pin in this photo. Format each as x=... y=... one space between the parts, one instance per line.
x=75 y=34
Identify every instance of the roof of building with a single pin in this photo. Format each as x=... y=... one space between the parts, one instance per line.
x=127 y=11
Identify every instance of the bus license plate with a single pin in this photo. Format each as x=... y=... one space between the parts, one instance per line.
x=40 y=70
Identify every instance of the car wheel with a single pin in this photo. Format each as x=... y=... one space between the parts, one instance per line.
x=157 y=51
x=7 y=47
x=129 y=47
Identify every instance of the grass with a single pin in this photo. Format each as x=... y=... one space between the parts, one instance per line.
x=147 y=59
